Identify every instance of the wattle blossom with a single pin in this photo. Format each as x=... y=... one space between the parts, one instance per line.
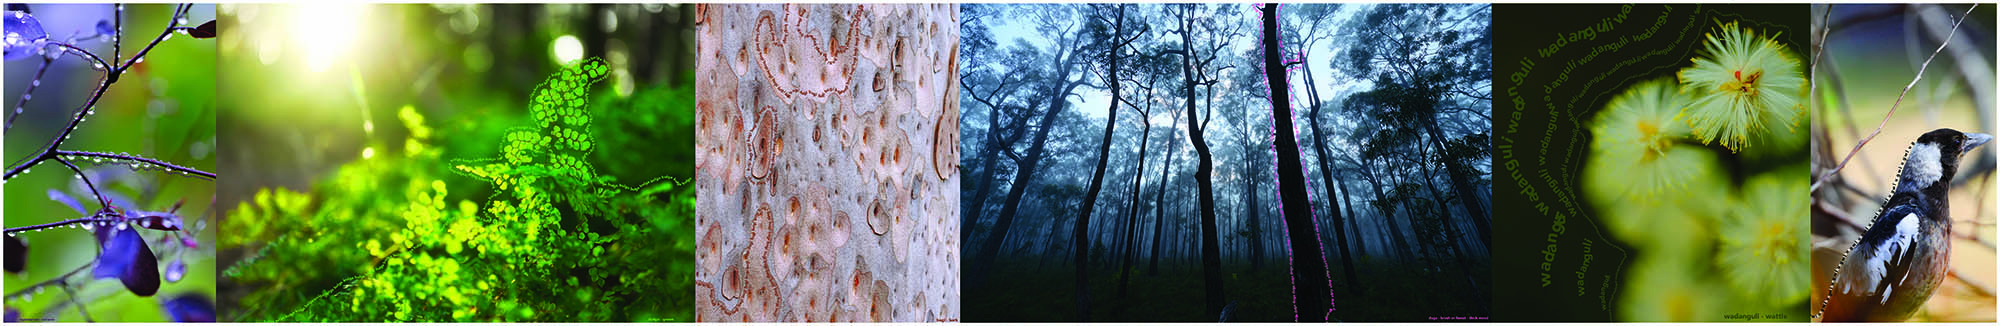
x=1742 y=85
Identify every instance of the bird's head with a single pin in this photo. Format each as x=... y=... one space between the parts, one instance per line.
x=1934 y=157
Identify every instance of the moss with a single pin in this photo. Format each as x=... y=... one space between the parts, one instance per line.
x=556 y=238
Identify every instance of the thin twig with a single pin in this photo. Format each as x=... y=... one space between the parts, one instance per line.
x=90 y=106
x=30 y=93
x=117 y=29
x=1819 y=49
x=1892 y=108
x=79 y=305
x=134 y=158
x=80 y=52
x=101 y=202
x=31 y=289
x=179 y=13
x=100 y=218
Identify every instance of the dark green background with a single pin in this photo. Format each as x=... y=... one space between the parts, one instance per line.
x=1520 y=229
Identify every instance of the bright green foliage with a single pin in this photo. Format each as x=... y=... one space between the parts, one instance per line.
x=554 y=241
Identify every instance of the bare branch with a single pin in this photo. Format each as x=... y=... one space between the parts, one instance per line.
x=30 y=93
x=137 y=159
x=1892 y=108
x=101 y=202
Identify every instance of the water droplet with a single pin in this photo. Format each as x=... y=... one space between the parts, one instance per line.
x=37 y=83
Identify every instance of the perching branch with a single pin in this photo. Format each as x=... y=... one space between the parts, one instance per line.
x=1892 y=108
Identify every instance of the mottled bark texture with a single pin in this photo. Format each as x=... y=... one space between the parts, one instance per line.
x=828 y=139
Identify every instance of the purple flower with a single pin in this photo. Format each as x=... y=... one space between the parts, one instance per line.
x=23 y=34
x=190 y=308
x=17 y=255
x=127 y=258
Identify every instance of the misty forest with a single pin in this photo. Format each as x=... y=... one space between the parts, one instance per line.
x=1129 y=162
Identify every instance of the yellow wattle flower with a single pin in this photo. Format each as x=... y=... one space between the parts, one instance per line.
x=1741 y=85
x=1634 y=152
x=1766 y=247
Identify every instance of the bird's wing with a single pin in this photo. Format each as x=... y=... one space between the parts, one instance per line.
x=1893 y=241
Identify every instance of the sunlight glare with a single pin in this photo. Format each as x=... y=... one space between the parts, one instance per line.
x=567 y=49
x=328 y=31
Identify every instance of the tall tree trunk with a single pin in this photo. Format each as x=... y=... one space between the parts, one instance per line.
x=1326 y=176
x=1464 y=264
x=1049 y=244
x=1467 y=193
x=983 y=184
x=1353 y=221
x=1082 y=238
x=989 y=154
x=1255 y=225
x=1138 y=178
x=1025 y=173
x=1314 y=297
x=1389 y=217
x=1211 y=249
x=1159 y=198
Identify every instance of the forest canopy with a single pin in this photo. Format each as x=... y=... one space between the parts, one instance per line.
x=1128 y=162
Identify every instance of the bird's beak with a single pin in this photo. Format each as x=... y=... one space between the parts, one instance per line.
x=1973 y=140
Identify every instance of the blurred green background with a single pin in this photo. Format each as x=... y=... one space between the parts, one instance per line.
x=343 y=121
x=163 y=108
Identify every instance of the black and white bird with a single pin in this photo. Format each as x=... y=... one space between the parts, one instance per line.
x=1903 y=256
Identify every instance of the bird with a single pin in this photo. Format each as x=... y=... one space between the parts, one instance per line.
x=1890 y=272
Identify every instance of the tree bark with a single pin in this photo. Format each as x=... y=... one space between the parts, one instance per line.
x=1314 y=297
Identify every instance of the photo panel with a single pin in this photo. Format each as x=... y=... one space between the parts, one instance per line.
x=112 y=156
x=1227 y=162
x=458 y=163
x=828 y=156
x=1655 y=161
x=1902 y=225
